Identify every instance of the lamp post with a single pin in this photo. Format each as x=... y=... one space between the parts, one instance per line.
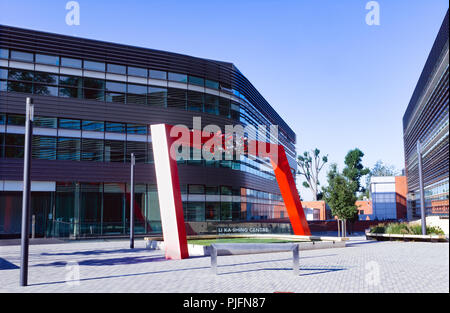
x=133 y=162
x=422 y=193
x=26 y=195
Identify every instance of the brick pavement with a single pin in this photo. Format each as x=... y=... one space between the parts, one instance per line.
x=109 y=266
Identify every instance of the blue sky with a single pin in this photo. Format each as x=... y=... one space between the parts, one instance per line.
x=337 y=82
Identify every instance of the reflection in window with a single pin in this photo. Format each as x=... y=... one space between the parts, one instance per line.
x=196 y=81
x=196 y=189
x=45 y=90
x=136 y=129
x=94 y=94
x=72 y=81
x=176 y=98
x=115 y=127
x=137 y=71
x=69 y=62
x=18 y=120
x=182 y=78
x=20 y=75
x=4 y=53
x=45 y=78
x=44 y=148
x=195 y=101
x=158 y=74
x=70 y=92
x=137 y=94
x=3 y=73
x=117 y=69
x=139 y=149
x=20 y=87
x=94 y=66
x=93 y=126
x=157 y=96
x=14 y=144
x=115 y=97
x=69 y=123
x=211 y=104
x=47 y=59
x=92 y=150
x=211 y=84
x=195 y=211
x=68 y=149
x=93 y=83
x=47 y=122
x=117 y=87
x=114 y=151
x=21 y=56
x=212 y=211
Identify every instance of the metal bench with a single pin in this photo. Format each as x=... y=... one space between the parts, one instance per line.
x=252 y=248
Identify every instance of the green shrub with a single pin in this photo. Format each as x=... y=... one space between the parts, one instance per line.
x=416 y=229
x=379 y=229
x=397 y=228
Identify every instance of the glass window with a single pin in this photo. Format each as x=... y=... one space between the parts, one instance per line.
x=46 y=78
x=195 y=101
x=195 y=211
x=117 y=87
x=176 y=98
x=70 y=81
x=3 y=85
x=137 y=89
x=2 y=121
x=20 y=75
x=212 y=190
x=3 y=73
x=157 y=96
x=158 y=74
x=137 y=71
x=44 y=90
x=211 y=104
x=136 y=129
x=93 y=83
x=115 y=97
x=70 y=92
x=225 y=211
x=212 y=211
x=68 y=149
x=211 y=84
x=20 y=87
x=114 y=151
x=117 y=69
x=196 y=189
x=69 y=62
x=93 y=126
x=44 y=148
x=4 y=53
x=196 y=81
x=14 y=144
x=139 y=149
x=92 y=150
x=224 y=107
x=21 y=56
x=69 y=123
x=18 y=120
x=47 y=122
x=225 y=190
x=94 y=94
x=94 y=66
x=115 y=127
x=182 y=78
x=47 y=59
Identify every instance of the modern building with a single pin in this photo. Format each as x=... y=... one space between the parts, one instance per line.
x=94 y=102
x=426 y=120
x=388 y=194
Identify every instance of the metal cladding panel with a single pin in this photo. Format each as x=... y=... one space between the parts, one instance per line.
x=226 y=73
x=439 y=44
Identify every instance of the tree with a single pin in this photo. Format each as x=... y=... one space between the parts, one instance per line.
x=354 y=170
x=339 y=195
x=310 y=167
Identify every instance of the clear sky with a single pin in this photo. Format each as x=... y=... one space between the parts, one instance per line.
x=336 y=81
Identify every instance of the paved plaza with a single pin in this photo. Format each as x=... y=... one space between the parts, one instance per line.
x=110 y=266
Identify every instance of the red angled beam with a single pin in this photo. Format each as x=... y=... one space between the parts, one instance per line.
x=172 y=220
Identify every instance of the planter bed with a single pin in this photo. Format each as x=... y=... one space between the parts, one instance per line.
x=429 y=238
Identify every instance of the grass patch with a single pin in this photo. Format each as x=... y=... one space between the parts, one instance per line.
x=207 y=242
